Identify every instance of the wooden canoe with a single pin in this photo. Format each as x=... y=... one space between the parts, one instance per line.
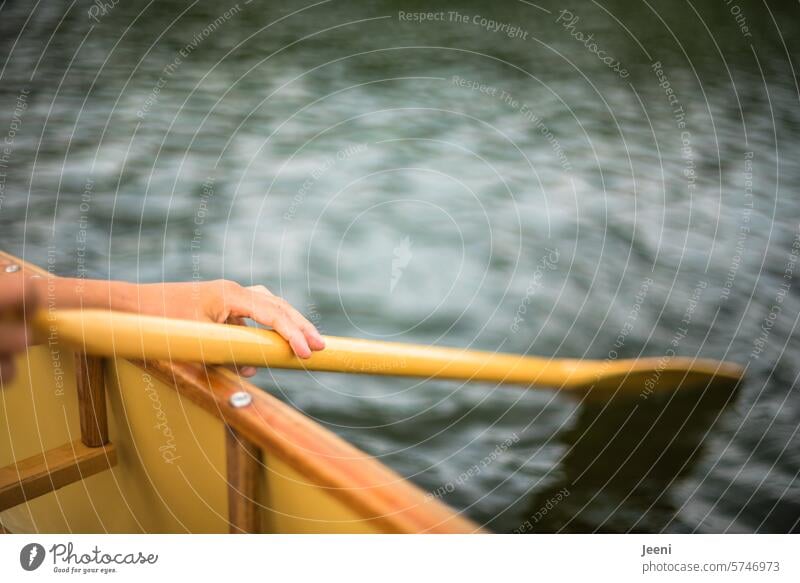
x=118 y=446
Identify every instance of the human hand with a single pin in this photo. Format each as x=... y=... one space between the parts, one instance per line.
x=224 y=301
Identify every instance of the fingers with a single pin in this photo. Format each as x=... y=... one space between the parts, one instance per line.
x=310 y=332
x=261 y=289
x=283 y=325
x=258 y=303
x=272 y=311
x=248 y=371
x=245 y=371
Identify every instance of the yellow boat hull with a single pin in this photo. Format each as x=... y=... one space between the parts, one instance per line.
x=168 y=424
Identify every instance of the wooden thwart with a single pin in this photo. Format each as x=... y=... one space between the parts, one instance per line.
x=51 y=470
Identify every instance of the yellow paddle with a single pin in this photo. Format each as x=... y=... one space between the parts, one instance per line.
x=132 y=336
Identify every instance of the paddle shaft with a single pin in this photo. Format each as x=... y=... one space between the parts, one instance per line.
x=132 y=336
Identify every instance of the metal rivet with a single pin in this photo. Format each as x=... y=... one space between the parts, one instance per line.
x=12 y=268
x=240 y=399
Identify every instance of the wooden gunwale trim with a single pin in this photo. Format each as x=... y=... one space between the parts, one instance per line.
x=30 y=268
x=355 y=478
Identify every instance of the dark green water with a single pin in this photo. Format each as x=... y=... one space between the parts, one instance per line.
x=442 y=182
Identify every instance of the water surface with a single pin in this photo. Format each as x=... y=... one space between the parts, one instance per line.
x=441 y=182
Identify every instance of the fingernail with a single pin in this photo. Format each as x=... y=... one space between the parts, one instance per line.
x=248 y=371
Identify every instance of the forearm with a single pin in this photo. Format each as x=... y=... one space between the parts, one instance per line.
x=211 y=301
x=172 y=300
x=65 y=292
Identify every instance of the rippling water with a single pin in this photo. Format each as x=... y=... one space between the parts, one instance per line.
x=441 y=182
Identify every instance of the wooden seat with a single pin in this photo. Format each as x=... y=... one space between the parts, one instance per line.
x=37 y=475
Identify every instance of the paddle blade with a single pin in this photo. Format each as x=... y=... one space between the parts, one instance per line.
x=647 y=376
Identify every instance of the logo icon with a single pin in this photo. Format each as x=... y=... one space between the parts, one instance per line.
x=31 y=556
x=402 y=257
